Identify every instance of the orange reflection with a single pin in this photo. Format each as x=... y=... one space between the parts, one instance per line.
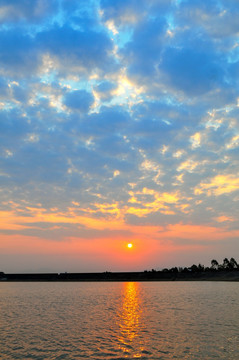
x=130 y=323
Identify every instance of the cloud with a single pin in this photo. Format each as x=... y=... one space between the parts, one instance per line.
x=191 y=71
x=12 y=126
x=122 y=12
x=4 y=89
x=105 y=90
x=119 y=118
x=148 y=37
x=79 y=100
x=109 y=120
x=220 y=184
x=132 y=11
x=19 y=55
x=216 y=19
x=15 y=11
x=76 y=51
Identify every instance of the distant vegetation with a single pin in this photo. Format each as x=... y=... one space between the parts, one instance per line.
x=199 y=271
x=227 y=265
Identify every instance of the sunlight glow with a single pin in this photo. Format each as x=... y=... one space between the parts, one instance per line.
x=130 y=322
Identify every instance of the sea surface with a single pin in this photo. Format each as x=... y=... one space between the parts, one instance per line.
x=119 y=320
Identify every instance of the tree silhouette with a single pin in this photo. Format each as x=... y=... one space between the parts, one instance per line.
x=226 y=264
x=233 y=263
x=200 y=267
x=214 y=264
x=194 y=268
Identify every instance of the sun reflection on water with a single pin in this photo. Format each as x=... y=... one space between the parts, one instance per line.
x=130 y=322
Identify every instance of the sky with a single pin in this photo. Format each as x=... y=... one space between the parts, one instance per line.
x=118 y=124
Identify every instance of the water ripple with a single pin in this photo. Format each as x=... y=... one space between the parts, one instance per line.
x=113 y=321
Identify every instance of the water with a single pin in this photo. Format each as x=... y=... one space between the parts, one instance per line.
x=161 y=321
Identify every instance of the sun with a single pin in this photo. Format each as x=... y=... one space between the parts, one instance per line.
x=130 y=245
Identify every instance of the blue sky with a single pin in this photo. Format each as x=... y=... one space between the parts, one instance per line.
x=119 y=122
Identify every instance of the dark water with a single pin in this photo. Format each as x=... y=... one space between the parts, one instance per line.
x=183 y=320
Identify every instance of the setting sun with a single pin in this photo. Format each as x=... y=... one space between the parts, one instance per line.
x=130 y=246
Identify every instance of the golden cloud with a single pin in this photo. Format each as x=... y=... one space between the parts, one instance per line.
x=220 y=184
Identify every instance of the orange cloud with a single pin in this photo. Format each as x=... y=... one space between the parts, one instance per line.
x=224 y=219
x=220 y=184
x=152 y=201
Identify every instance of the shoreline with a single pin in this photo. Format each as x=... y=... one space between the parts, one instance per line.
x=122 y=276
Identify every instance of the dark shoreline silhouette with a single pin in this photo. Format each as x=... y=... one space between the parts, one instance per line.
x=227 y=271
x=125 y=276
